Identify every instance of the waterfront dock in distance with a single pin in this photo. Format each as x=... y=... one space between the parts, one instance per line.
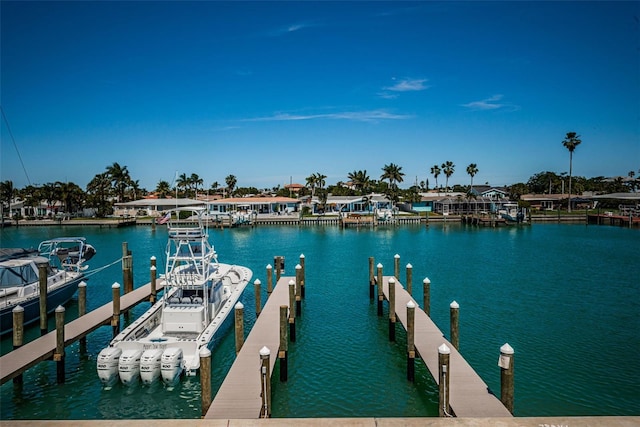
x=19 y=360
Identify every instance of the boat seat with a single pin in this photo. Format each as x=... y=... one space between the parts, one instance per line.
x=174 y=300
x=185 y=300
x=197 y=300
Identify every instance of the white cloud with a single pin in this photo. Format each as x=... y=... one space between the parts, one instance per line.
x=490 y=103
x=408 y=85
x=371 y=115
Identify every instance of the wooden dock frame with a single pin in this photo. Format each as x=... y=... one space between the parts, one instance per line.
x=469 y=395
x=239 y=396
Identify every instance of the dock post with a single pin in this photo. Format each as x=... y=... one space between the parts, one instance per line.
x=278 y=261
x=396 y=266
x=298 y=290
x=256 y=287
x=265 y=382
x=269 y=280
x=411 y=347
x=127 y=272
x=42 y=280
x=58 y=356
x=506 y=376
x=380 y=293
x=154 y=277
x=82 y=310
x=292 y=310
x=372 y=282
x=205 y=379
x=115 y=319
x=284 y=344
x=426 y=295
x=392 y=309
x=409 y=278
x=239 y=326
x=454 y=309
x=443 y=383
x=18 y=333
x=302 y=276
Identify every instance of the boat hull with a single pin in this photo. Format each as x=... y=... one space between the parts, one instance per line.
x=31 y=305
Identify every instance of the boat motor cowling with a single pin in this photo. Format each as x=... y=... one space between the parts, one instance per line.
x=108 y=365
x=129 y=365
x=171 y=365
x=150 y=365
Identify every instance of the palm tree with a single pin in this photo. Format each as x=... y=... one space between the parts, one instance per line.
x=435 y=171
x=120 y=179
x=472 y=170
x=7 y=191
x=184 y=183
x=447 y=168
x=98 y=193
x=393 y=173
x=320 y=180
x=311 y=183
x=360 y=179
x=231 y=181
x=163 y=188
x=571 y=141
x=195 y=181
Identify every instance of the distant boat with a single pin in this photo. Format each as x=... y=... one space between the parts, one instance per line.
x=200 y=292
x=511 y=213
x=65 y=258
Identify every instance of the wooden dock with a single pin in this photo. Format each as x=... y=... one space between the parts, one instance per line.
x=239 y=395
x=43 y=348
x=468 y=394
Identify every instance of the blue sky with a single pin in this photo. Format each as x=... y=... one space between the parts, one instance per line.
x=272 y=92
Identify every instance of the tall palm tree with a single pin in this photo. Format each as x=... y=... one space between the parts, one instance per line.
x=435 y=171
x=472 y=170
x=320 y=180
x=195 y=181
x=571 y=141
x=163 y=188
x=360 y=179
x=120 y=179
x=7 y=191
x=98 y=194
x=311 y=183
x=183 y=182
x=393 y=173
x=231 y=181
x=447 y=168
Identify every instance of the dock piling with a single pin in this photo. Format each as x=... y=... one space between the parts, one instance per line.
x=205 y=379
x=409 y=278
x=115 y=319
x=298 y=290
x=269 y=280
x=444 y=410
x=454 y=309
x=279 y=262
x=58 y=356
x=380 y=292
x=154 y=277
x=372 y=282
x=42 y=280
x=256 y=287
x=239 y=326
x=392 y=309
x=18 y=333
x=396 y=266
x=302 y=276
x=411 y=347
x=82 y=310
x=292 y=310
x=265 y=377
x=426 y=295
x=284 y=344
x=506 y=376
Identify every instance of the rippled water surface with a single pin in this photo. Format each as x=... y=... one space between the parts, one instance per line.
x=565 y=297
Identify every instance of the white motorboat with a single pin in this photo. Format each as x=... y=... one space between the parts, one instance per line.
x=65 y=258
x=200 y=293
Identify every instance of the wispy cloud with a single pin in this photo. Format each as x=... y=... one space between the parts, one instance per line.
x=491 y=103
x=361 y=116
x=292 y=28
x=403 y=85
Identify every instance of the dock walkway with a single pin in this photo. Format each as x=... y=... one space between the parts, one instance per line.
x=239 y=394
x=468 y=395
x=43 y=348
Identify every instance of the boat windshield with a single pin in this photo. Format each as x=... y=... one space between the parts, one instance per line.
x=18 y=275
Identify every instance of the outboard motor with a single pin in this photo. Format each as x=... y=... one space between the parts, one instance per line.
x=129 y=366
x=150 y=365
x=108 y=365
x=171 y=365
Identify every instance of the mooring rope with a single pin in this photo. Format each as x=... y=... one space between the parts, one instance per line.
x=98 y=270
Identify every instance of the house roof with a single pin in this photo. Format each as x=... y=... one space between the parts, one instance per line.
x=159 y=202
x=254 y=200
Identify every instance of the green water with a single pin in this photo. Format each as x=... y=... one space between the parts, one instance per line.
x=565 y=297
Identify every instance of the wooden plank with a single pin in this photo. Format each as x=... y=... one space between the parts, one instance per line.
x=19 y=360
x=240 y=393
x=468 y=395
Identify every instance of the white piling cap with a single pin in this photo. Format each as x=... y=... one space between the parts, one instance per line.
x=264 y=351
x=426 y=280
x=257 y=282
x=410 y=304
x=82 y=284
x=17 y=309
x=205 y=352
x=392 y=280
x=379 y=265
x=301 y=255
x=153 y=257
x=60 y=309
x=269 y=267
x=454 y=305
x=115 y=285
x=443 y=349
x=298 y=267
x=153 y=268
x=506 y=349
x=239 y=306
x=409 y=266
x=396 y=256
x=292 y=283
